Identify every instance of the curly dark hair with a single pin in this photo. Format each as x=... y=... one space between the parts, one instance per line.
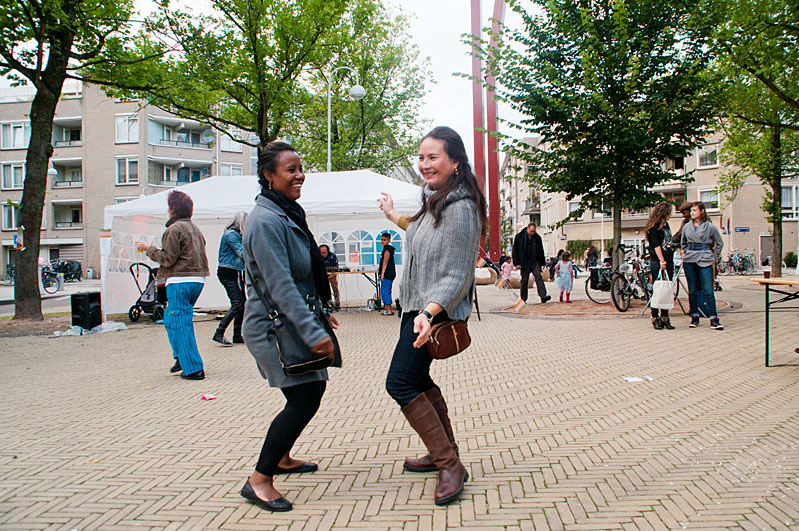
x=453 y=146
x=268 y=159
x=180 y=204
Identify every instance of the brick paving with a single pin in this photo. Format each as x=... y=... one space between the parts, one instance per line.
x=98 y=435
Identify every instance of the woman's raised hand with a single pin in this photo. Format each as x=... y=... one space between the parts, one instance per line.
x=386 y=204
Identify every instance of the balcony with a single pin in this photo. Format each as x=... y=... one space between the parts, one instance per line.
x=67 y=132
x=69 y=174
x=67 y=214
x=176 y=132
x=167 y=172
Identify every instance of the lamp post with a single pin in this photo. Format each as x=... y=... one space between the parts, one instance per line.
x=357 y=92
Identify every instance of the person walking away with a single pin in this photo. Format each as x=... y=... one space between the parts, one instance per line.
x=565 y=271
x=661 y=255
x=443 y=239
x=591 y=257
x=388 y=272
x=331 y=266
x=282 y=258
x=528 y=255
x=701 y=241
x=184 y=265
x=229 y=273
x=553 y=263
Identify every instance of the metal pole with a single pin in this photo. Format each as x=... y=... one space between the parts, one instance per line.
x=493 y=157
x=329 y=119
x=477 y=100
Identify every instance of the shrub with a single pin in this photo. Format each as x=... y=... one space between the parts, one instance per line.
x=790 y=259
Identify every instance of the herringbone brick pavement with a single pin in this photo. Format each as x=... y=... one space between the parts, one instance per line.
x=96 y=434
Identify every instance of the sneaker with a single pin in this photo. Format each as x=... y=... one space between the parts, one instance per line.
x=546 y=298
x=715 y=324
x=694 y=322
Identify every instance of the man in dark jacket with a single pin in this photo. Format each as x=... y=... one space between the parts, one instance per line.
x=528 y=255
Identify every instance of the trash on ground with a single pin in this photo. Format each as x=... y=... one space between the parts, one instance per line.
x=75 y=330
x=637 y=378
x=208 y=396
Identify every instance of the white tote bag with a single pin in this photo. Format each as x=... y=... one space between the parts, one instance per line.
x=662 y=293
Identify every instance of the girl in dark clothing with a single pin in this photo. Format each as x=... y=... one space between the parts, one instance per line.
x=229 y=272
x=661 y=255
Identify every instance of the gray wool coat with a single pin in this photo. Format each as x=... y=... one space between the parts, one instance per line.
x=277 y=253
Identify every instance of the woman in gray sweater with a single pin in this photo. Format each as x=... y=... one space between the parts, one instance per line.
x=702 y=244
x=443 y=239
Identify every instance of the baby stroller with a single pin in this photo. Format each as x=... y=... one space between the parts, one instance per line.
x=71 y=269
x=152 y=299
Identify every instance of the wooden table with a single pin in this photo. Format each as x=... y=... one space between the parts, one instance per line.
x=787 y=296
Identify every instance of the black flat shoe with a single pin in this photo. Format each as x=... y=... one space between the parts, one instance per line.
x=303 y=468
x=219 y=338
x=176 y=366
x=280 y=505
x=199 y=375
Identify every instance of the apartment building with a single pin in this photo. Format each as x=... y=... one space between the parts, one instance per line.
x=741 y=220
x=106 y=151
x=520 y=201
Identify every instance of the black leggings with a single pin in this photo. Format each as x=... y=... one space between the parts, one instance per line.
x=302 y=402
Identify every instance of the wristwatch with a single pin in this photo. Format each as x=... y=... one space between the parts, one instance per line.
x=428 y=315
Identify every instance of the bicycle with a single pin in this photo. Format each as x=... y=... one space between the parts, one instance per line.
x=632 y=281
x=8 y=278
x=597 y=285
x=50 y=280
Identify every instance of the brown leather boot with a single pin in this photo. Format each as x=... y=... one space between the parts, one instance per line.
x=425 y=463
x=452 y=474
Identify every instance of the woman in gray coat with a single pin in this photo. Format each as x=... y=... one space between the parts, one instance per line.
x=282 y=257
x=442 y=241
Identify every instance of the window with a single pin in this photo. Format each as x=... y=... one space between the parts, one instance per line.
x=708 y=156
x=360 y=248
x=335 y=241
x=71 y=135
x=228 y=144
x=790 y=201
x=573 y=206
x=10 y=217
x=127 y=171
x=230 y=169
x=607 y=212
x=75 y=216
x=15 y=135
x=710 y=198
x=13 y=175
x=127 y=128
x=187 y=136
x=120 y=200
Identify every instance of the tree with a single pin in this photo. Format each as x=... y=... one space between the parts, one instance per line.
x=380 y=131
x=757 y=49
x=613 y=88
x=41 y=43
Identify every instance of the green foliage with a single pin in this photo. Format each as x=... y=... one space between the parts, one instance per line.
x=612 y=89
x=577 y=248
x=381 y=130
x=261 y=65
x=790 y=259
x=508 y=232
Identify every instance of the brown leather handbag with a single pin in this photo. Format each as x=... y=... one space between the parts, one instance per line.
x=447 y=339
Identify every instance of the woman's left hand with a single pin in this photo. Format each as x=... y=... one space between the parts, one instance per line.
x=333 y=322
x=422 y=327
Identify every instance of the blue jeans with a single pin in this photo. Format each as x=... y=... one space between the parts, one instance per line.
x=696 y=275
x=180 y=299
x=409 y=373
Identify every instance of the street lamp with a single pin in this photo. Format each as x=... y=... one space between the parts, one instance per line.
x=357 y=92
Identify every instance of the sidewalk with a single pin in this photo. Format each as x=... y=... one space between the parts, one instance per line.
x=98 y=435
x=7 y=291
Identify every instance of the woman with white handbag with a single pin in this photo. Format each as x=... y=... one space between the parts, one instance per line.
x=661 y=264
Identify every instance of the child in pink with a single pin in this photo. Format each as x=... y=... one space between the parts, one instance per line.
x=506 y=269
x=565 y=272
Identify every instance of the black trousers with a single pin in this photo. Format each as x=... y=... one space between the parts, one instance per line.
x=302 y=403
x=409 y=373
x=232 y=282
x=539 y=282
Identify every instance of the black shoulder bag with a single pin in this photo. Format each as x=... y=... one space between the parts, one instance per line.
x=295 y=356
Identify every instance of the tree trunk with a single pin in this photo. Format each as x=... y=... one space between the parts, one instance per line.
x=776 y=190
x=27 y=299
x=618 y=255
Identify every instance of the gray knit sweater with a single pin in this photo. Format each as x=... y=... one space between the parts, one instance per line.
x=703 y=234
x=441 y=260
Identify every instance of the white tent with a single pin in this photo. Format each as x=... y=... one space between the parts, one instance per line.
x=341 y=207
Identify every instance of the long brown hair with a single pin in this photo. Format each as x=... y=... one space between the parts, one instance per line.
x=658 y=215
x=453 y=146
